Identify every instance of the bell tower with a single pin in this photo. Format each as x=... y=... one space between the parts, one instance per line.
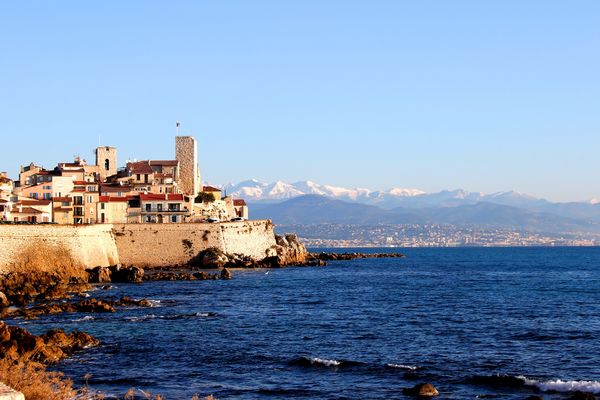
x=106 y=160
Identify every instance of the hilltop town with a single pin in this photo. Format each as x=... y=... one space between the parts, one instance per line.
x=149 y=191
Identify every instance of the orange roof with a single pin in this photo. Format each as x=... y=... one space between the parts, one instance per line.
x=239 y=202
x=154 y=196
x=35 y=202
x=84 y=183
x=78 y=190
x=164 y=163
x=210 y=189
x=62 y=199
x=108 y=199
x=140 y=167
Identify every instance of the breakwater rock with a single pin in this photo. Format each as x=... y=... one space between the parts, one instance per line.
x=17 y=344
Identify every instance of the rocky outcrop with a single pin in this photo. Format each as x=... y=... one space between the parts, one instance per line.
x=22 y=288
x=17 y=344
x=290 y=251
x=422 y=390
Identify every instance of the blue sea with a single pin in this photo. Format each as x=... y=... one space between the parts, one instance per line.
x=501 y=323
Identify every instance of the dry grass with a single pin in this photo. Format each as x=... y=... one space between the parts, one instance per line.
x=35 y=382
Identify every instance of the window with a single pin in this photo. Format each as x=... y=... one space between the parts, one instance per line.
x=78 y=200
x=90 y=199
x=138 y=177
x=78 y=212
x=47 y=196
x=107 y=164
x=91 y=188
x=102 y=206
x=173 y=218
x=159 y=207
x=148 y=207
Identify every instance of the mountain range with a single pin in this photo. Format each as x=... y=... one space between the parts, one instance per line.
x=307 y=202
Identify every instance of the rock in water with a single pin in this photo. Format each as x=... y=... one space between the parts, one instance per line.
x=4 y=300
x=127 y=274
x=225 y=274
x=99 y=275
x=422 y=390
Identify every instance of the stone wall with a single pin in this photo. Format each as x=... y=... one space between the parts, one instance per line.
x=83 y=246
x=144 y=245
x=151 y=245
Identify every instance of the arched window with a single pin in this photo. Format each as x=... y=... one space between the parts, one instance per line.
x=107 y=164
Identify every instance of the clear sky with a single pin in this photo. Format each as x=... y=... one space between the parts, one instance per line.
x=481 y=95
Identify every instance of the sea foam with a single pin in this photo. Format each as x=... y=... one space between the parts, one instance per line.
x=559 y=385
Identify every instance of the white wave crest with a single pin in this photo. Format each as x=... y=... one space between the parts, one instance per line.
x=559 y=385
x=327 y=363
x=402 y=366
x=154 y=303
x=142 y=318
x=86 y=318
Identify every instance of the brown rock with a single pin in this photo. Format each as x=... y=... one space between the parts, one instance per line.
x=4 y=300
x=99 y=275
x=93 y=305
x=225 y=274
x=422 y=390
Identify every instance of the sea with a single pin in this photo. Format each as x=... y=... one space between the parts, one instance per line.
x=498 y=323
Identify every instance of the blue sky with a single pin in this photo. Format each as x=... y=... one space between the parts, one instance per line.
x=482 y=95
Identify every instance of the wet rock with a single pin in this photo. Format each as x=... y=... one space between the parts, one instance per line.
x=225 y=274
x=212 y=257
x=126 y=301
x=126 y=274
x=422 y=390
x=578 y=395
x=18 y=344
x=4 y=300
x=94 y=305
x=99 y=275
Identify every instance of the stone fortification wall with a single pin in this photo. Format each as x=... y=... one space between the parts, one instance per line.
x=144 y=245
x=79 y=246
x=150 y=245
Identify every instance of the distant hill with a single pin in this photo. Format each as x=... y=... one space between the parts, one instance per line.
x=261 y=193
x=315 y=209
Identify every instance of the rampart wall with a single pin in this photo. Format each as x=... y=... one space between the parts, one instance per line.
x=144 y=245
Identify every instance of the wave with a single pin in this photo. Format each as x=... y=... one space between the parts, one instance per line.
x=147 y=317
x=317 y=362
x=520 y=381
x=402 y=366
x=559 y=385
x=86 y=318
x=154 y=303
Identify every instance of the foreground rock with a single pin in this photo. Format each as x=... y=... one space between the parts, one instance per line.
x=22 y=288
x=17 y=344
x=422 y=390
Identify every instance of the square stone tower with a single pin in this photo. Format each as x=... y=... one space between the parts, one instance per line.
x=106 y=160
x=186 y=152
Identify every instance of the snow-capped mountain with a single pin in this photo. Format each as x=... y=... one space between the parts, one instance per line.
x=255 y=191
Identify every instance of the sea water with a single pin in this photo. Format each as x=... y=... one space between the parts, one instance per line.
x=474 y=322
